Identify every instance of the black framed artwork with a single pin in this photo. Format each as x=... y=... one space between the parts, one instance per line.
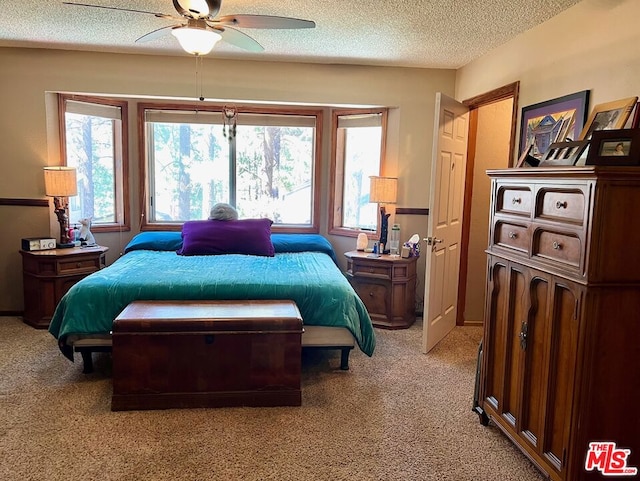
x=555 y=120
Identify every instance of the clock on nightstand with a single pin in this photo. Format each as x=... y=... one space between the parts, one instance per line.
x=48 y=274
x=38 y=243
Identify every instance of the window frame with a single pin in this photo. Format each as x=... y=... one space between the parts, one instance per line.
x=121 y=157
x=336 y=171
x=146 y=225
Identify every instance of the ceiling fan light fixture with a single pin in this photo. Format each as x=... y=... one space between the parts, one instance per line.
x=196 y=41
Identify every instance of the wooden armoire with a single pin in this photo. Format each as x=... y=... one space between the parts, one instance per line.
x=561 y=347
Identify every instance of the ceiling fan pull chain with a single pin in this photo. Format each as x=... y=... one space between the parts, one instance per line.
x=199 y=77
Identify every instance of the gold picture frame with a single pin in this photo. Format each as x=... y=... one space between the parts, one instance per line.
x=608 y=116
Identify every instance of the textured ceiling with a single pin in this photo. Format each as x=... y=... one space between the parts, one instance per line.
x=408 y=33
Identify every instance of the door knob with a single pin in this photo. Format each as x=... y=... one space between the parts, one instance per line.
x=432 y=241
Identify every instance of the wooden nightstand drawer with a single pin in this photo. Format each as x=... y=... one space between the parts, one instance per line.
x=78 y=266
x=374 y=297
x=372 y=269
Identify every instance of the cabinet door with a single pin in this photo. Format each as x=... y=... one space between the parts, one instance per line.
x=535 y=347
x=376 y=297
x=507 y=303
x=530 y=350
x=562 y=342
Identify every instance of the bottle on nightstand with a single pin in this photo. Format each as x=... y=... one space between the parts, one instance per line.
x=395 y=240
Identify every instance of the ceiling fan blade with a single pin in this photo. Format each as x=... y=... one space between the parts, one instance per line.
x=159 y=15
x=160 y=32
x=239 y=39
x=264 y=21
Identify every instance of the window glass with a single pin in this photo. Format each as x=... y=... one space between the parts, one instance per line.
x=265 y=166
x=274 y=167
x=358 y=154
x=92 y=143
x=190 y=170
x=361 y=160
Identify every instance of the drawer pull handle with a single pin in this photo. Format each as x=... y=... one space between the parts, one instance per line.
x=524 y=328
x=512 y=235
x=78 y=265
x=556 y=245
x=371 y=294
x=516 y=200
x=561 y=205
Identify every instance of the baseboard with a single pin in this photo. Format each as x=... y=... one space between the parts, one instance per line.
x=479 y=323
x=11 y=313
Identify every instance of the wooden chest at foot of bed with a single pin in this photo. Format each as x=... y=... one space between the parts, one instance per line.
x=188 y=354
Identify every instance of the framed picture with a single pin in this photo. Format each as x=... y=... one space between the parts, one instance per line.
x=552 y=121
x=609 y=116
x=564 y=153
x=526 y=160
x=614 y=147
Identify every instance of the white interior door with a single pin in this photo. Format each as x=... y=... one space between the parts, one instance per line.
x=442 y=251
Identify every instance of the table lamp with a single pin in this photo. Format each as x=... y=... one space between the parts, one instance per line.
x=60 y=183
x=384 y=190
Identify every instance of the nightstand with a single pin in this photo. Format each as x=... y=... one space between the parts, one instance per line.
x=48 y=275
x=386 y=285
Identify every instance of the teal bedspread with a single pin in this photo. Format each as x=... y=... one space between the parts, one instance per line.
x=311 y=279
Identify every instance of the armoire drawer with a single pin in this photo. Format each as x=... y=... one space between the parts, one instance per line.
x=561 y=205
x=557 y=246
x=512 y=236
x=514 y=200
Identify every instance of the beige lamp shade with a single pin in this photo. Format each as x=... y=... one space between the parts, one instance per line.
x=60 y=181
x=384 y=190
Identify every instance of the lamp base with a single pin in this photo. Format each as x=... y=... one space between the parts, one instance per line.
x=68 y=245
x=384 y=230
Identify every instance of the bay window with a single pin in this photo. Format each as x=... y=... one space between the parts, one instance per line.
x=264 y=162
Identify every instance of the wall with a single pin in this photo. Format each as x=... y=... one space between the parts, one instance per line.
x=27 y=74
x=491 y=152
x=590 y=46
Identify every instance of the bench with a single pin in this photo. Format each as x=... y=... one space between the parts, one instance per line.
x=313 y=337
x=186 y=354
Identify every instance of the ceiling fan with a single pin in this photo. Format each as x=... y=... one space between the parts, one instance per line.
x=199 y=29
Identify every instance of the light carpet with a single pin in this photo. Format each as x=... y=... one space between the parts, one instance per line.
x=399 y=415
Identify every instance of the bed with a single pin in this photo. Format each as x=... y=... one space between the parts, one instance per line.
x=303 y=268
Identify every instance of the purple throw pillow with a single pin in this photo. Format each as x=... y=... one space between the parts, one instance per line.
x=211 y=237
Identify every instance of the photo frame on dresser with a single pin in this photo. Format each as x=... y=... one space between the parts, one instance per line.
x=614 y=147
x=608 y=116
x=564 y=153
x=526 y=159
